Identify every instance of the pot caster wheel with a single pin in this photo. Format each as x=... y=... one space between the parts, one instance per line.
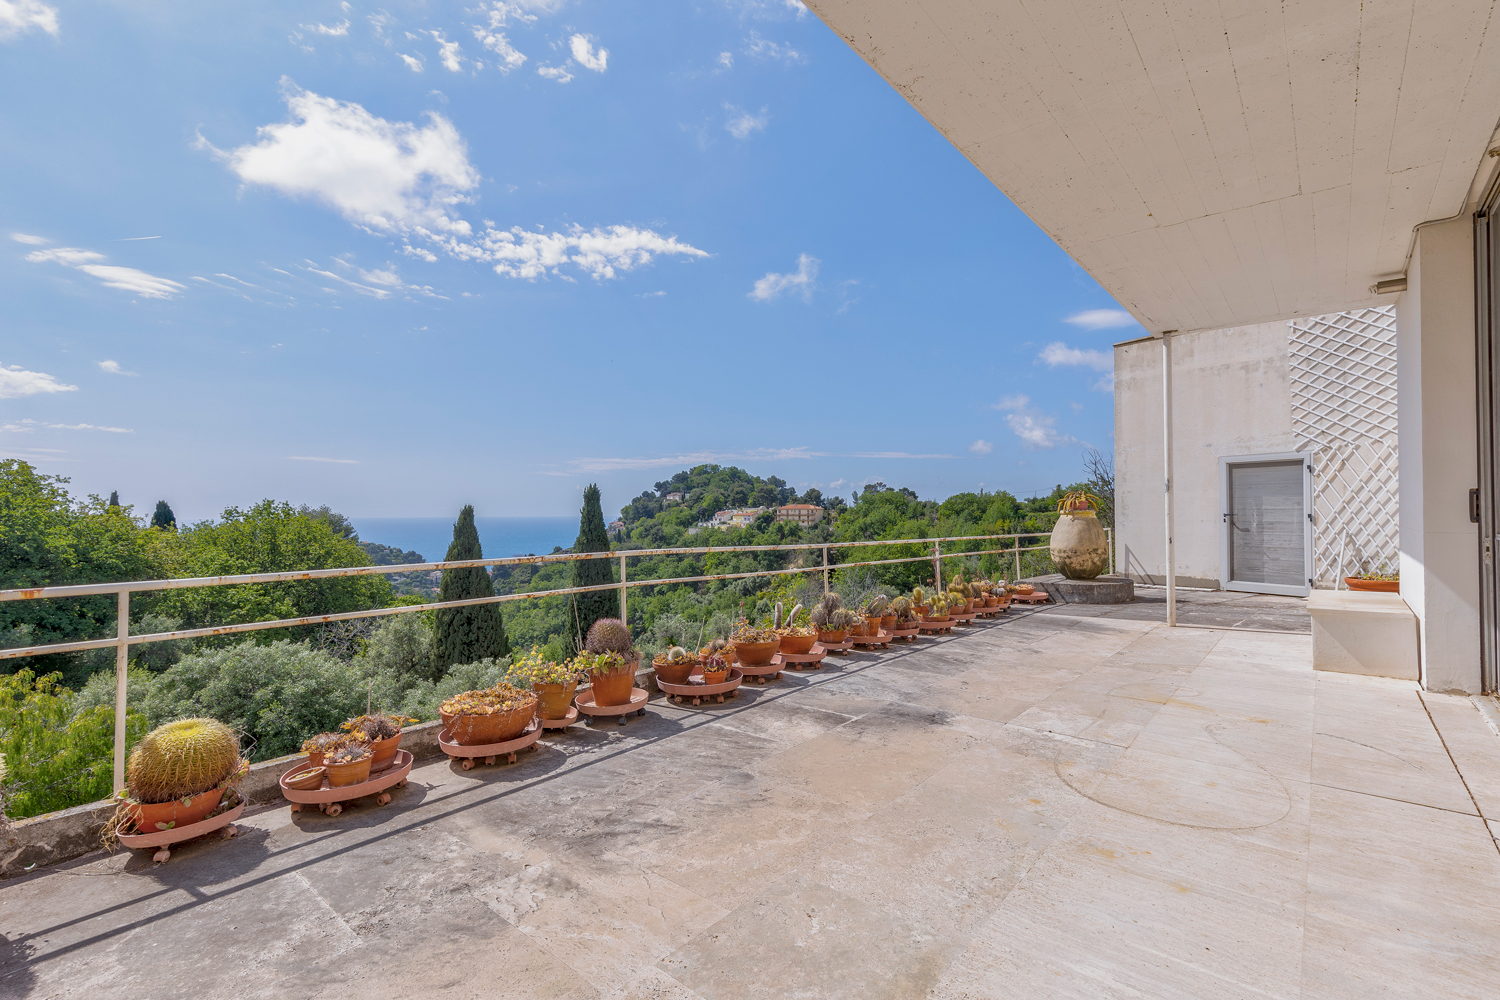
x=721 y=699
x=489 y=760
x=401 y=783
x=641 y=712
x=384 y=798
x=468 y=764
x=334 y=809
x=622 y=720
x=296 y=807
x=230 y=831
x=322 y=807
x=161 y=856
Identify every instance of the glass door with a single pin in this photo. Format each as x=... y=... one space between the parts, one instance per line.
x=1266 y=524
x=1483 y=502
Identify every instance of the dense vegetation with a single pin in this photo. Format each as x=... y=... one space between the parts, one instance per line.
x=276 y=687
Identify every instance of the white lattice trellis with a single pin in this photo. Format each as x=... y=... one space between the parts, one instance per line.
x=1343 y=380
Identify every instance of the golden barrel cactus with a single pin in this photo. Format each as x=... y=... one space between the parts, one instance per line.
x=180 y=759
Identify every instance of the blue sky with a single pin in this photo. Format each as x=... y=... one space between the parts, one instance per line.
x=401 y=257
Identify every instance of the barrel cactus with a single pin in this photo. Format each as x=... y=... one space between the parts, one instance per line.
x=181 y=759
x=677 y=654
x=608 y=635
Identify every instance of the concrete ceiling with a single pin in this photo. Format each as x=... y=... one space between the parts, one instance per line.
x=1211 y=165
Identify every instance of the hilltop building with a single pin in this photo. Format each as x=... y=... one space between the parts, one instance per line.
x=800 y=513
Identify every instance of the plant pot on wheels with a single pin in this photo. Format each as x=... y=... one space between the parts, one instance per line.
x=835 y=637
x=349 y=773
x=756 y=654
x=614 y=688
x=797 y=644
x=673 y=673
x=153 y=816
x=554 y=699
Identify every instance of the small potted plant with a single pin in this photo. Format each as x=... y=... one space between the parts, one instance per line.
x=553 y=683
x=489 y=715
x=674 y=666
x=715 y=670
x=611 y=676
x=754 y=646
x=720 y=646
x=832 y=619
x=796 y=638
x=919 y=601
x=937 y=611
x=178 y=774
x=878 y=612
x=316 y=746
x=1378 y=581
x=904 y=615
x=348 y=764
x=382 y=732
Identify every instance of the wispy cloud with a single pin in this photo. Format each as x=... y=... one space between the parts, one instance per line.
x=28 y=425
x=586 y=56
x=20 y=16
x=801 y=281
x=741 y=122
x=1058 y=353
x=558 y=73
x=111 y=275
x=449 y=54
x=16 y=382
x=113 y=367
x=337 y=30
x=1034 y=429
x=27 y=238
x=413 y=63
x=982 y=447
x=1101 y=319
x=496 y=41
x=763 y=48
x=317 y=458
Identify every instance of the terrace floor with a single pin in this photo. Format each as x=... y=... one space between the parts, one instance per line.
x=1062 y=804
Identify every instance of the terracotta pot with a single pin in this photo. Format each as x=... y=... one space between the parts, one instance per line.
x=555 y=699
x=835 y=637
x=921 y=609
x=674 y=673
x=479 y=730
x=315 y=758
x=306 y=779
x=797 y=644
x=1025 y=589
x=154 y=816
x=991 y=601
x=934 y=618
x=352 y=773
x=614 y=689
x=756 y=654
x=887 y=622
x=857 y=629
x=717 y=677
x=727 y=652
x=384 y=751
x=1376 y=586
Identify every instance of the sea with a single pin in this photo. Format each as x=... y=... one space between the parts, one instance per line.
x=498 y=536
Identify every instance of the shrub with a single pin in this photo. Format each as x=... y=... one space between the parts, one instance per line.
x=56 y=757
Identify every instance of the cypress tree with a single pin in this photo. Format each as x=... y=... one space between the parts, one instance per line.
x=592 y=537
x=163 y=518
x=464 y=635
x=114 y=498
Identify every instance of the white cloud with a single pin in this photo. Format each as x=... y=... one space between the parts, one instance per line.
x=599 y=252
x=1034 y=429
x=981 y=447
x=726 y=59
x=20 y=16
x=797 y=6
x=379 y=174
x=315 y=458
x=802 y=281
x=1105 y=384
x=29 y=425
x=741 y=122
x=27 y=238
x=111 y=275
x=449 y=53
x=413 y=63
x=1058 y=353
x=584 y=54
x=381 y=21
x=558 y=73
x=16 y=382
x=1101 y=319
x=113 y=367
x=497 y=43
x=763 y=48
x=338 y=30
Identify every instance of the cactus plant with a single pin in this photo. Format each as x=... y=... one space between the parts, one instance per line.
x=182 y=759
x=822 y=615
x=608 y=635
x=918 y=597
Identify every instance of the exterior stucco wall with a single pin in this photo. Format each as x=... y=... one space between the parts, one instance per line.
x=1231 y=396
x=1439 y=465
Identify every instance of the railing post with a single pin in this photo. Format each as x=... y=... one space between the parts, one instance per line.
x=1017 y=541
x=937 y=568
x=122 y=662
x=825 y=571
x=1109 y=536
x=622 y=591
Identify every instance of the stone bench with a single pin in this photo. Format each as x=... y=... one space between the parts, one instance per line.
x=1358 y=632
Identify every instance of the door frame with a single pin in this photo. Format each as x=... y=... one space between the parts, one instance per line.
x=1225 y=461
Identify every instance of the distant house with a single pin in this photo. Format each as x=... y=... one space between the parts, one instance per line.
x=673 y=498
x=617 y=526
x=737 y=518
x=801 y=513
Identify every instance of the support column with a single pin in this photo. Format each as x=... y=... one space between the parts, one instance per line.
x=1436 y=410
x=1166 y=458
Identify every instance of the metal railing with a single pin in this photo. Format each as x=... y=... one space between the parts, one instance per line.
x=123 y=640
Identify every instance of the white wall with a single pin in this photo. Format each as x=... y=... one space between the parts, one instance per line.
x=1231 y=396
x=1436 y=407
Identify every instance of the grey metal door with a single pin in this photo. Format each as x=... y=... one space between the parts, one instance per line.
x=1266 y=526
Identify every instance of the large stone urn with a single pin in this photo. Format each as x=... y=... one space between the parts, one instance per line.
x=1080 y=548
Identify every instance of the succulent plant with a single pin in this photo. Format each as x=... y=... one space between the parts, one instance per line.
x=324 y=742
x=780 y=621
x=350 y=753
x=678 y=655
x=181 y=759
x=601 y=664
x=878 y=607
x=745 y=632
x=902 y=607
x=715 y=664
x=534 y=668
x=716 y=645
x=608 y=635
x=502 y=697
x=939 y=605
x=842 y=619
x=369 y=728
x=823 y=614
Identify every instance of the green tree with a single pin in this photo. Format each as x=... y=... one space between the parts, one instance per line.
x=476 y=632
x=589 y=608
x=164 y=518
x=114 y=498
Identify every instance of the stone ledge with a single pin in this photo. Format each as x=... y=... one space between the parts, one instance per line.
x=1100 y=590
x=59 y=836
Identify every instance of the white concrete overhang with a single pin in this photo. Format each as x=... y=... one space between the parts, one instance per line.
x=1211 y=165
